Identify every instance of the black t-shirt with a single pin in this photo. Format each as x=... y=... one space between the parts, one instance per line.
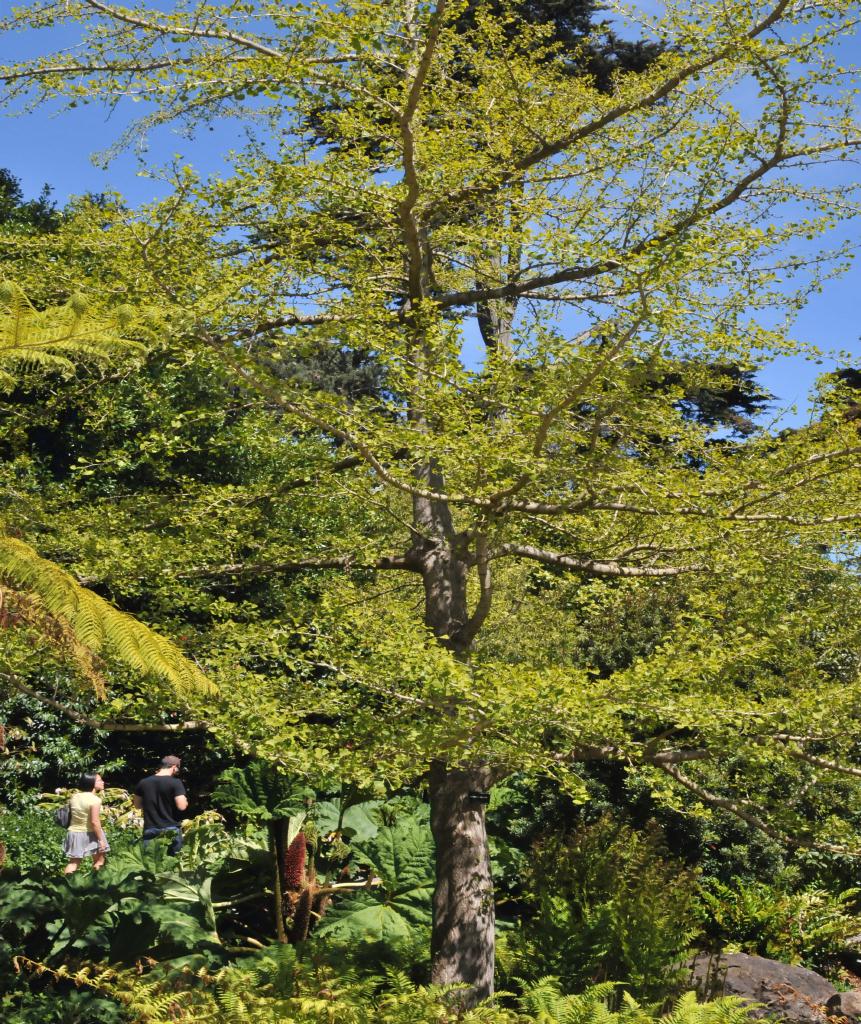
x=157 y=794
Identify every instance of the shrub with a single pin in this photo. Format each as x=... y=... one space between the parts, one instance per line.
x=65 y=1005
x=33 y=843
x=808 y=927
x=608 y=904
x=277 y=987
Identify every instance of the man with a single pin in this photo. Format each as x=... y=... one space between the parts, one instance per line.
x=162 y=798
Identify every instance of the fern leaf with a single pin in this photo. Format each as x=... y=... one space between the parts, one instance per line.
x=22 y=609
x=94 y=624
x=56 y=338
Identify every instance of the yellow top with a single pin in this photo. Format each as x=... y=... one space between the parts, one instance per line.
x=80 y=804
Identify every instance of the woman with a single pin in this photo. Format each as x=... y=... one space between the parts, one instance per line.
x=85 y=836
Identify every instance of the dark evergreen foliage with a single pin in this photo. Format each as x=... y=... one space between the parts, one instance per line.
x=38 y=215
x=595 y=48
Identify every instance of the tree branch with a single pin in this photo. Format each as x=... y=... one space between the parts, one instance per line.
x=87 y=69
x=587 y=504
x=547 y=150
x=348 y=563
x=752 y=819
x=308 y=416
x=569 y=275
x=679 y=756
x=409 y=222
x=590 y=566
x=196 y=33
x=485 y=599
x=277 y=323
x=341 y=466
x=94 y=723
x=822 y=762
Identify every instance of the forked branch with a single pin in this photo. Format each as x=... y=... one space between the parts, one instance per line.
x=467 y=197
x=485 y=594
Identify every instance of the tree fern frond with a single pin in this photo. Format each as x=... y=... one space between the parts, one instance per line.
x=94 y=623
x=18 y=608
x=57 y=337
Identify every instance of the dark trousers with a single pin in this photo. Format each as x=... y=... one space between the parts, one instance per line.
x=173 y=831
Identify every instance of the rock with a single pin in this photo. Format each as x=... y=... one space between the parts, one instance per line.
x=845 y=1004
x=786 y=991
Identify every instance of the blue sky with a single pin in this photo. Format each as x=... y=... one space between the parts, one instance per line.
x=56 y=148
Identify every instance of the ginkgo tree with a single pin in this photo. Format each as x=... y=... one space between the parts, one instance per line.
x=540 y=267
x=35 y=593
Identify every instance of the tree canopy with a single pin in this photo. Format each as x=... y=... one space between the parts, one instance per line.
x=541 y=265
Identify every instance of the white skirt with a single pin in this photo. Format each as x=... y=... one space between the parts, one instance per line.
x=81 y=844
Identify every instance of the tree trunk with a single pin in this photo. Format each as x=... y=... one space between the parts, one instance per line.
x=496 y=323
x=445 y=575
x=463 y=937
x=441 y=553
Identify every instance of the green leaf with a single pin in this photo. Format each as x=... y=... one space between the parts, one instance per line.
x=367 y=917
x=402 y=857
x=358 y=822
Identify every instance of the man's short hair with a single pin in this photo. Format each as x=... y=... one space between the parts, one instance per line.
x=170 y=761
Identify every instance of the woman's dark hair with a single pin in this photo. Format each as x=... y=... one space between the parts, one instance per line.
x=87 y=782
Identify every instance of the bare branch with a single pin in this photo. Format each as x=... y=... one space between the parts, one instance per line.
x=590 y=566
x=679 y=756
x=822 y=762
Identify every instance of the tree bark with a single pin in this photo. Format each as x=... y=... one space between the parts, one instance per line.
x=444 y=575
x=443 y=559
x=463 y=937
x=463 y=934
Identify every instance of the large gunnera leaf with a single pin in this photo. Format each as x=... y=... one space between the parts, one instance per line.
x=260 y=793
x=357 y=822
x=401 y=857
